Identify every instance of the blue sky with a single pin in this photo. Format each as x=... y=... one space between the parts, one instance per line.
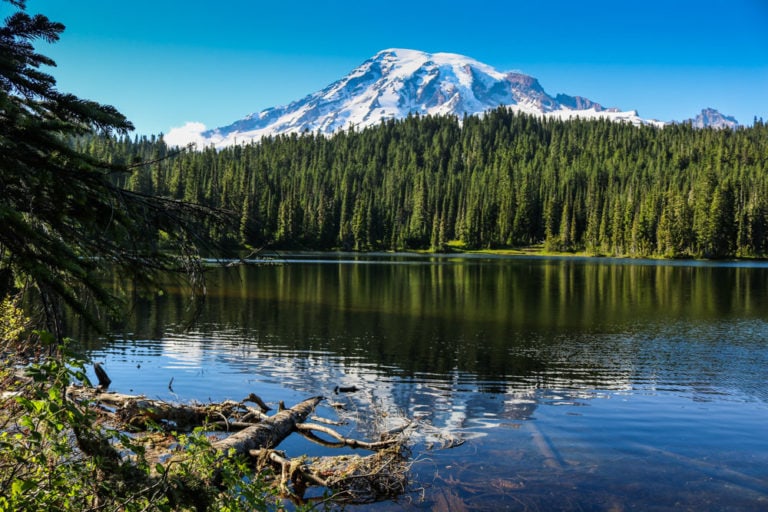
x=166 y=62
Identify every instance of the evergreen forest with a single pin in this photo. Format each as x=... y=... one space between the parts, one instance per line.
x=503 y=180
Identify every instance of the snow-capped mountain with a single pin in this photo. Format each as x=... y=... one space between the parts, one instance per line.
x=398 y=82
x=711 y=118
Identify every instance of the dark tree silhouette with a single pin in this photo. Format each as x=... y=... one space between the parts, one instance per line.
x=63 y=216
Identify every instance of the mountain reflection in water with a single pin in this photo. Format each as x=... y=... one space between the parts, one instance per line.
x=577 y=383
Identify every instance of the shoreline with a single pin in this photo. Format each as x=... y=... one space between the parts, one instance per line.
x=534 y=251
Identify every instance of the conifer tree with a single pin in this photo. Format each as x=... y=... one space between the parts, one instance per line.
x=62 y=215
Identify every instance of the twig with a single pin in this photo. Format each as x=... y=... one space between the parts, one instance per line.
x=226 y=421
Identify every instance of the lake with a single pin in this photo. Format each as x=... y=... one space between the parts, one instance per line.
x=574 y=384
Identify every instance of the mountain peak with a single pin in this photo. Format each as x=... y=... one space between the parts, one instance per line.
x=398 y=82
x=404 y=56
x=712 y=118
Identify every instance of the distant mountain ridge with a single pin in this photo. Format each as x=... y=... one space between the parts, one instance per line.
x=396 y=83
x=711 y=118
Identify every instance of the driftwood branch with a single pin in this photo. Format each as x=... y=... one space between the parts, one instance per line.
x=308 y=430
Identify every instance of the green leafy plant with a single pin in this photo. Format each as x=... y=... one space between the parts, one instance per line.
x=55 y=455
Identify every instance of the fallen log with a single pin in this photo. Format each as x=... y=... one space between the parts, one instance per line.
x=192 y=471
x=270 y=432
x=180 y=490
x=139 y=412
x=352 y=479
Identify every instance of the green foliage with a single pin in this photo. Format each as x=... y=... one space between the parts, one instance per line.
x=39 y=467
x=54 y=455
x=238 y=487
x=13 y=322
x=503 y=180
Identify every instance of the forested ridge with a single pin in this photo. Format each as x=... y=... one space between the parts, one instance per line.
x=497 y=181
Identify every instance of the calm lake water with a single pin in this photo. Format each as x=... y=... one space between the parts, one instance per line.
x=575 y=384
